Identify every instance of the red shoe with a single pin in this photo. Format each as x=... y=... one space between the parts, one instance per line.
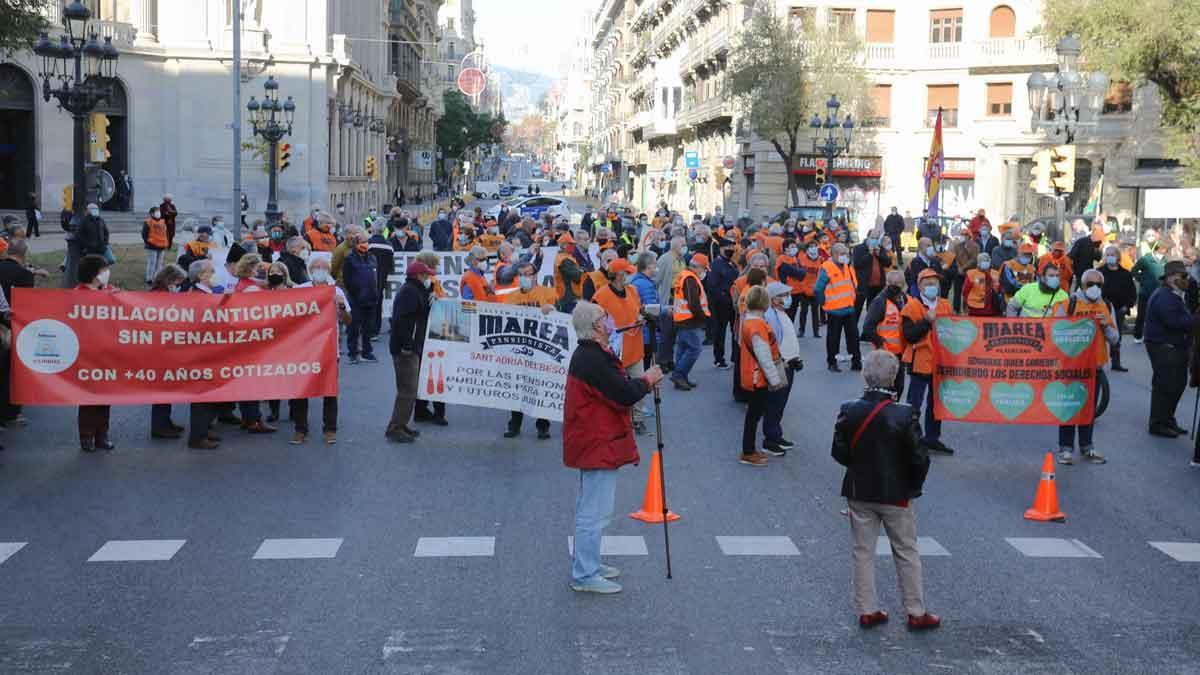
x=926 y=621
x=872 y=620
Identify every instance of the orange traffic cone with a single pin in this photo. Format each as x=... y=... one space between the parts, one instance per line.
x=1045 y=502
x=652 y=504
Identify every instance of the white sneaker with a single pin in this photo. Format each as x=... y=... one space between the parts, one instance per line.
x=1065 y=457
x=1137 y=341
x=609 y=572
x=596 y=584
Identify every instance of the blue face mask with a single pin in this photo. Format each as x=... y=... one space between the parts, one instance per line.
x=872 y=243
x=787 y=302
x=1009 y=243
x=1051 y=282
x=929 y=252
x=1110 y=260
x=930 y=292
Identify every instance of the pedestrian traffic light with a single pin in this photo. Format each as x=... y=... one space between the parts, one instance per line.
x=820 y=172
x=283 y=156
x=68 y=197
x=1062 y=175
x=372 y=167
x=1042 y=166
x=98 y=152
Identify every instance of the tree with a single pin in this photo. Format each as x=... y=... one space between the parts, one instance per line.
x=1153 y=41
x=20 y=23
x=461 y=129
x=781 y=76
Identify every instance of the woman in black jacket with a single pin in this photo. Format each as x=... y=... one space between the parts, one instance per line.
x=1121 y=293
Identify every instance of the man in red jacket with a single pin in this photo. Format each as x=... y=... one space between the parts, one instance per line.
x=598 y=439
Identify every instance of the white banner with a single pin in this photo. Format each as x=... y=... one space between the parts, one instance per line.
x=490 y=355
x=450 y=270
x=1166 y=203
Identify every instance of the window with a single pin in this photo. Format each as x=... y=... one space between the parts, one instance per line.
x=450 y=23
x=801 y=17
x=450 y=53
x=881 y=99
x=1119 y=98
x=944 y=96
x=999 y=99
x=881 y=26
x=842 y=21
x=1153 y=163
x=1003 y=23
x=449 y=73
x=945 y=25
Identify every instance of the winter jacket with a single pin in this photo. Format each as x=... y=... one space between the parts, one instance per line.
x=719 y=281
x=597 y=427
x=360 y=279
x=92 y=236
x=441 y=232
x=861 y=259
x=385 y=260
x=1168 y=320
x=888 y=464
x=296 y=267
x=648 y=292
x=1084 y=255
x=410 y=314
x=1147 y=271
x=1119 y=289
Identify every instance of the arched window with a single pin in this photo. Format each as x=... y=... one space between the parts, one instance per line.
x=1003 y=22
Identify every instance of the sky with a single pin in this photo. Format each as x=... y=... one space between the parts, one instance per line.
x=529 y=35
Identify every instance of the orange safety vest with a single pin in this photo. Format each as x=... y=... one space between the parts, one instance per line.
x=491 y=242
x=812 y=270
x=980 y=283
x=478 y=284
x=920 y=355
x=682 y=311
x=749 y=372
x=624 y=312
x=796 y=286
x=560 y=286
x=156 y=233
x=598 y=280
x=1024 y=274
x=321 y=240
x=888 y=330
x=1099 y=311
x=843 y=284
x=496 y=279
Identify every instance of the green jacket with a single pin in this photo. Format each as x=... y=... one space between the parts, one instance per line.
x=1146 y=272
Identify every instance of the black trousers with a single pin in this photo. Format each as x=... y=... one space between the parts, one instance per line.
x=864 y=297
x=93 y=423
x=1168 y=383
x=722 y=320
x=1140 y=323
x=298 y=409
x=200 y=419
x=808 y=305
x=755 y=411
x=517 y=418
x=839 y=324
x=160 y=417
x=956 y=288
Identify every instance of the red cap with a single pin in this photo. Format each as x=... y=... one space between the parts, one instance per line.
x=622 y=265
x=928 y=274
x=416 y=267
x=701 y=260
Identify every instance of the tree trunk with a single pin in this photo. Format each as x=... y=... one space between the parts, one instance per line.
x=788 y=159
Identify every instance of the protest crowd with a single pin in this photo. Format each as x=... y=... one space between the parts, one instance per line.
x=648 y=295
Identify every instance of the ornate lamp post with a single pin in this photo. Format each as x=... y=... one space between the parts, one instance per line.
x=1066 y=101
x=272 y=120
x=84 y=70
x=834 y=143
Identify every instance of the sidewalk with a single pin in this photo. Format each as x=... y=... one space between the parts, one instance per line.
x=58 y=242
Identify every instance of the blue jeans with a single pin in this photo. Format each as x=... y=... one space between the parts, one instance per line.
x=687 y=350
x=776 y=402
x=920 y=388
x=593 y=511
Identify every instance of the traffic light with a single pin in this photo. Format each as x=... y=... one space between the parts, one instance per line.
x=1043 y=164
x=820 y=172
x=1062 y=175
x=372 y=167
x=283 y=156
x=98 y=153
x=68 y=197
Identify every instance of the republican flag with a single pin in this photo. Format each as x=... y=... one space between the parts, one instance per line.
x=934 y=166
x=1093 y=202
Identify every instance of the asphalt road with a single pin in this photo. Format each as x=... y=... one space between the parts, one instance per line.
x=384 y=598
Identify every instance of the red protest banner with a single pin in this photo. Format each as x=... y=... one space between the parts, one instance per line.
x=1015 y=371
x=73 y=347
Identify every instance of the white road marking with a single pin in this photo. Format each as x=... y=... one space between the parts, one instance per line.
x=8 y=549
x=455 y=547
x=615 y=545
x=1051 y=547
x=138 y=550
x=293 y=549
x=926 y=546
x=1182 y=551
x=757 y=546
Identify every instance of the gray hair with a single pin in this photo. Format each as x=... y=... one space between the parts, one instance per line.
x=879 y=369
x=198 y=268
x=1092 y=274
x=478 y=253
x=839 y=248
x=583 y=318
x=678 y=240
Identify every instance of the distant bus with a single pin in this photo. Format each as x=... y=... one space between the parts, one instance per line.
x=516 y=156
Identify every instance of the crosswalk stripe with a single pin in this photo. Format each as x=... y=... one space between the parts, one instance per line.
x=9 y=548
x=455 y=547
x=1182 y=551
x=757 y=546
x=615 y=545
x=1051 y=547
x=138 y=550
x=926 y=546
x=292 y=549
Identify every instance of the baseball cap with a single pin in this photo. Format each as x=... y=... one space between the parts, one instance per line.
x=416 y=267
x=700 y=260
x=622 y=265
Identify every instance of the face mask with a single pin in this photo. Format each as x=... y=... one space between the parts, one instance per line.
x=985 y=233
x=872 y=243
x=373 y=213
x=94 y=212
x=103 y=276
x=481 y=265
x=154 y=215
x=843 y=259
x=526 y=283
x=1024 y=259
x=1056 y=254
x=985 y=266
x=929 y=252
x=727 y=253
x=1051 y=282
x=219 y=223
x=930 y=292
x=304 y=254
x=275 y=279
x=427 y=282
x=464 y=238
x=1110 y=260
x=321 y=276
x=812 y=252
x=277 y=235
x=1092 y=293
x=791 y=250
x=1008 y=243
x=787 y=302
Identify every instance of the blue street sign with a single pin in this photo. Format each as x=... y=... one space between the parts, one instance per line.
x=829 y=192
x=606 y=168
x=692 y=173
x=691 y=159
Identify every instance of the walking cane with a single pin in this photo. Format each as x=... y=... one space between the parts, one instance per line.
x=1195 y=412
x=662 y=463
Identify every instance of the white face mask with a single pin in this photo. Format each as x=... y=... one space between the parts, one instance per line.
x=94 y=212
x=103 y=276
x=985 y=266
x=427 y=282
x=321 y=276
x=812 y=252
x=1092 y=293
x=526 y=283
x=843 y=259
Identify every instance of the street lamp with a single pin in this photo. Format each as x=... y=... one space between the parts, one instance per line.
x=834 y=143
x=84 y=69
x=1066 y=101
x=272 y=120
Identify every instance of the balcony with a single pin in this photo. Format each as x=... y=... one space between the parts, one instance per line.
x=122 y=34
x=660 y=127
x=641 y=120
x=706 y=111
x=881 y=56
x=1011 y=52
x=945 y=51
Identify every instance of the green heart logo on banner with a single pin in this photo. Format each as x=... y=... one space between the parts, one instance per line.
x=1011 y=399
x=1063 y=400
x=955 y=336
x=959 y=397
x=1073 y=337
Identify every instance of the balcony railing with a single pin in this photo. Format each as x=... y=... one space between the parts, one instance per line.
x=949 y=118
x=880 y=54
x=941 y=51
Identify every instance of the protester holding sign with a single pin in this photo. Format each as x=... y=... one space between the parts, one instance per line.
x=1088 y=302
x=93 y=274
x=916 y=326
